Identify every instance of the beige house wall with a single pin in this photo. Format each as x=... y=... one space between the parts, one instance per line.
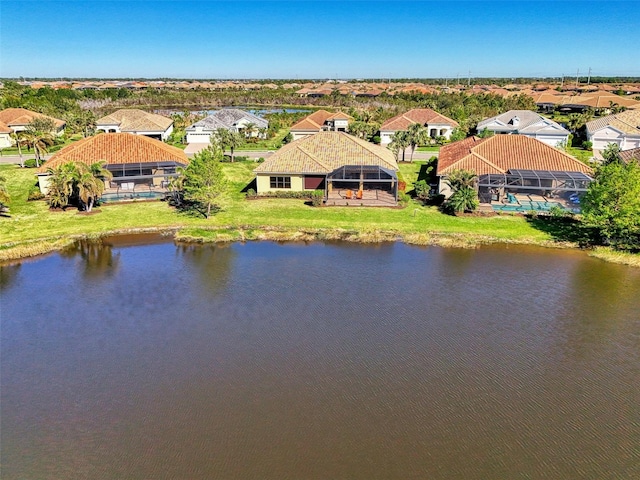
x=263 y=182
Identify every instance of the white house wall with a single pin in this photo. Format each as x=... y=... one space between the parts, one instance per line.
x=5 y=140
x=605 y=136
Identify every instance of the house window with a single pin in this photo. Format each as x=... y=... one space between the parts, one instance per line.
x=280 y=182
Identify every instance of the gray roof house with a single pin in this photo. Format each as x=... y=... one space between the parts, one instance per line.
x=528 y=123
x=232 y=119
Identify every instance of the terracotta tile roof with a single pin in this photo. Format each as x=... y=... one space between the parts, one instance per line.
x=501 y=153
x=135 y=120
x=116 y=148
x=627 y=122
x=325 y=152
x=317 y=119
x=4 y=128
x=548 y=96
x=417 y=115
x=629 y=155
x=21 y=116
x=601 y=99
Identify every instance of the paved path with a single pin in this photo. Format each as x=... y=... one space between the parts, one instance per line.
x=15 y=159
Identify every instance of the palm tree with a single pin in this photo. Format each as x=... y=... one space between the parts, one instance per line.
x=39 y=135
x=61 y=184
x=399 y=142
x=235 y=140
x=249 y=129
x=418 y=135
x=464 y=197
x=17 y=137
x=463 y=200
x=88 y=186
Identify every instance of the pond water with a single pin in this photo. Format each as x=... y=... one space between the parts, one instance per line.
x=320 y=361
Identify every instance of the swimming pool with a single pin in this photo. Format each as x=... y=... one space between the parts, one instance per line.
x=529 y=207
x=124 y=197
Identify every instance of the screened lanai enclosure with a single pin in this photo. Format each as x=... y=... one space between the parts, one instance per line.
x=140 y=180
x=366 y=185
x=497 y=187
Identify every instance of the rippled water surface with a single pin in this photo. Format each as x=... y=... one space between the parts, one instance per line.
x=322 y=361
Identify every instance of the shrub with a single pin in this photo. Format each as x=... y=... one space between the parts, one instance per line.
x=317 y=196
x=30 y=163
x=587 y=145
x=251 y=192
x=422 y=191
x=35 y=193
x=376 y=139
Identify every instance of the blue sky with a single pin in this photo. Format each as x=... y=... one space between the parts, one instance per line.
x=310 y=39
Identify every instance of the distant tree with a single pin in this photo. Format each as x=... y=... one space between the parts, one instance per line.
x=249 y=129
x=399 y=143
x=418 y=135
x=611 y=153
x=486 y=133
x=457 y=134
x=203 y=179
x=40 y=134
x=612 y=204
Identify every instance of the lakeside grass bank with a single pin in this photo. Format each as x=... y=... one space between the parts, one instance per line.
x=33 y=229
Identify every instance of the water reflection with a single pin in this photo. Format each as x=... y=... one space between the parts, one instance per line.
x=9 y=274
x=212 y=264
x=318 y=361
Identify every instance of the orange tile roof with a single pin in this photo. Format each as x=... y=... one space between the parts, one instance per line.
x=324 y=152
x=4 y=128
x=501 y=153
x=116 y=148
x=22 y=116
x=417 y=115
x=317 y=119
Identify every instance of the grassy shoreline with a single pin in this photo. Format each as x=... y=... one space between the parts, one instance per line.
x=33 y=229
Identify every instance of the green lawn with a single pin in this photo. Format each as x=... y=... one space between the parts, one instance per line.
x=33 y=221
x=430 y=148
x=269 y=144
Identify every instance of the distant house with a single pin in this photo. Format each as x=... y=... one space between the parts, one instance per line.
x=15 y=120
x=138 y=122
x=438 y=125
x=622 y=128
x=601 y=102
x=349 y=170
x=232 y=119
x=528 y=123
x=321 y=121
x=513 y=164
x=141 y=166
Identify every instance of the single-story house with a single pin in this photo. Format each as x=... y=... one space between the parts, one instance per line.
x=141 y=166
x=600 y=101
x=528 y=123
x=14 y=120
x=511 y=164
x=622 y=128
x=321 y=121
x=232 y=119
x=349 y=170
x=138 y=122
x=437 y=124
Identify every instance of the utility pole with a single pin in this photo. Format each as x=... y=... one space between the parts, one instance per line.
x=577 y=75
x=562 y=82
x=457 y=79
x=469 y=80
x=589 y=77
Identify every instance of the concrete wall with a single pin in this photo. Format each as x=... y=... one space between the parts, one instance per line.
x=300 y=134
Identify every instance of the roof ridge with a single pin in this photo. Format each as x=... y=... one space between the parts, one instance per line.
x=312 y=157
x=366 y=145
